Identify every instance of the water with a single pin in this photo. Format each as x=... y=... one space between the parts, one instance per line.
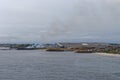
x=41 y=65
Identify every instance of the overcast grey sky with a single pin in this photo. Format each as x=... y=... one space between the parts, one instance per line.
x=59 y=20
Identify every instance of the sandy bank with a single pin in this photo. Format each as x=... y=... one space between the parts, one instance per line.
x=108 y=54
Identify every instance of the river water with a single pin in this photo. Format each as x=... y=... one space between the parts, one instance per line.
x=41 y=65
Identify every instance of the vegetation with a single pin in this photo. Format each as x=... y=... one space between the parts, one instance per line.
x=116 y=51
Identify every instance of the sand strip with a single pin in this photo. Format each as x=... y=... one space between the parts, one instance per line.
x=108 y=54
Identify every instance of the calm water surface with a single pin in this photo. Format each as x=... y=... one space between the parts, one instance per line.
x=41 y=65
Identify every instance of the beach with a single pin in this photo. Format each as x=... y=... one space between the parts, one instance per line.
x=108 y=54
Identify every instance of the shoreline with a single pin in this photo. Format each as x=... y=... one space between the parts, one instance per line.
x=108 y=54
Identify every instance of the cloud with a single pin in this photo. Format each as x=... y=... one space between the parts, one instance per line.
x=54 y=20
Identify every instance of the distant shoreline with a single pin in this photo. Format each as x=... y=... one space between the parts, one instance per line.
x=108 y=54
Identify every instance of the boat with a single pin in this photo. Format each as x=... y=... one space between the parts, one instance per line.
x=55 y=49
x=83 y=51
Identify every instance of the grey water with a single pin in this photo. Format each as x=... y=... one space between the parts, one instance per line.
x=41 y=65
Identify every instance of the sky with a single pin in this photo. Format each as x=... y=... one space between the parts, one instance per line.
x=59 y=21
